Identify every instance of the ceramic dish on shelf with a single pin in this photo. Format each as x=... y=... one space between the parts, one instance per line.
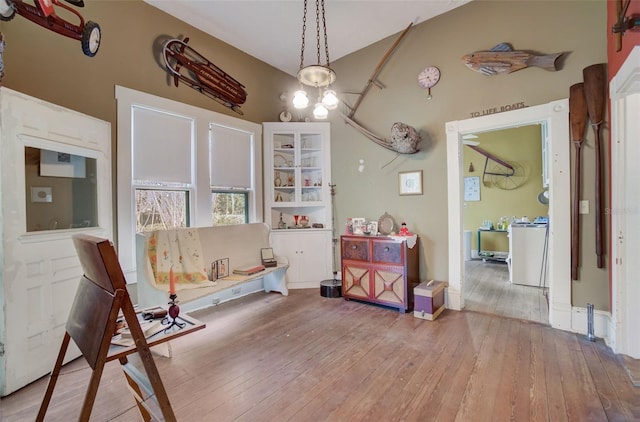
x=386 y=224
x=279 y=160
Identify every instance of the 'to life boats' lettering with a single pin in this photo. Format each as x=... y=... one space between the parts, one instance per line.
x=500 y=109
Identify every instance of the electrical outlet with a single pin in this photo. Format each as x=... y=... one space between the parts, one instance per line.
x=584 y=206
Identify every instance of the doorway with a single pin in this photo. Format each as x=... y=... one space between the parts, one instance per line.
x=504 y=181
x=554 y=117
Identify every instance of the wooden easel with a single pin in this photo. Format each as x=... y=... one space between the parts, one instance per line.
x=101 y=295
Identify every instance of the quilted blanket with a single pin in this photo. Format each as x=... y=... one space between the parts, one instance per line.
x=180 y=250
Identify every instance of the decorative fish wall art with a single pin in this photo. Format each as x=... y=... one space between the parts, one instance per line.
x=503 y=59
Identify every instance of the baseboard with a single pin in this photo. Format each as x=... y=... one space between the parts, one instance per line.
x=601 y=321
x=452 y=299
x=306 y=284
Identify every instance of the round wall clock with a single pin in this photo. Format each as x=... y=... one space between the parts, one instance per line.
x=428 y=78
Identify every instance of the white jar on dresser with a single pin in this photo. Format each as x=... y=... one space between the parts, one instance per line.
x=297 y=166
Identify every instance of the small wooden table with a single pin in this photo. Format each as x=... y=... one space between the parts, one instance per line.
x=101 y=297
x=191 y=325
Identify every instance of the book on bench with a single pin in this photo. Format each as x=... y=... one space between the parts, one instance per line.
x=248 y=270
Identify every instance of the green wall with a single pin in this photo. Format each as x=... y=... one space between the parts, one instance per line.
x=43 y=64
x=540 y=26
x=521 y=147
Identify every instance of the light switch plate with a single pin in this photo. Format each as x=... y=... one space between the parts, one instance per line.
x=584 y=206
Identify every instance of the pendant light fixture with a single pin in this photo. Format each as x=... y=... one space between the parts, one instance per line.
x=316 y=75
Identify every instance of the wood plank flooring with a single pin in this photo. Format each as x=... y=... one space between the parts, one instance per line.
x=487 y=289
x=304 y=357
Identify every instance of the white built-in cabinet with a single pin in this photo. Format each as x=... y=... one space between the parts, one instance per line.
x=309 y=255
x=297 y=173
x=55 y=181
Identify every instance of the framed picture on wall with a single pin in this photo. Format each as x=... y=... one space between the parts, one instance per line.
x=41 y=194
x=60 y=164
x=472 y=188
x=410 y=182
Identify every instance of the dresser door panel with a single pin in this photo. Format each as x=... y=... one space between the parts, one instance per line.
x=388 y=285
x=355 y=281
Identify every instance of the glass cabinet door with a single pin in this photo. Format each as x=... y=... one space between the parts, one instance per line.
x=284 y=168
x=297 y=168
x=310 y=167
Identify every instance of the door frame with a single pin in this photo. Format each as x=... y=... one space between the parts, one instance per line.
x=624 y=91
x=555 y=116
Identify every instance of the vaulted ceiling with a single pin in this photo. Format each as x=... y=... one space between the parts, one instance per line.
x=272 y=30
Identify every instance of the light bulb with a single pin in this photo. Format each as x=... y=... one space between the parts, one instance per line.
x=300 y=99
x=330 y=99
x=320 y=112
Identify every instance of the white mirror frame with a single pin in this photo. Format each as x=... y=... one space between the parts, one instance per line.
x=555 y=117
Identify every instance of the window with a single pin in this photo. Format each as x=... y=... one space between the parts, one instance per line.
x=181 y=166
x=161 y=209
x=61 y=190
x=229 y=207
x=231 y=173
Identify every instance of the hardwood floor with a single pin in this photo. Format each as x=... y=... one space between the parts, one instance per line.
x=304 y=357
x=487 y=289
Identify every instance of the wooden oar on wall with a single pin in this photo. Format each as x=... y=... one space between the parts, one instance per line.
x=578 y=122
x=595 y=96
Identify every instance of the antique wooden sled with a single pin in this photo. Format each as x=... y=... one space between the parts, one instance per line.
x=193 y=69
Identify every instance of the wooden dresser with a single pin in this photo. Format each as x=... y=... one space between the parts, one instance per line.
x=382 y=270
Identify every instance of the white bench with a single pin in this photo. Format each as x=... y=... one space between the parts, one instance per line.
x=240 y=243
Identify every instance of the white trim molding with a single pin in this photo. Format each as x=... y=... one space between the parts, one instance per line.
x=624 y=91
x=554 y=117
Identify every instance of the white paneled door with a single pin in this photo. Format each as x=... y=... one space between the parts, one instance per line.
x=42 y=207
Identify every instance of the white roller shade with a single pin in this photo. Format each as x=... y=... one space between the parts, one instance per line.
x=230 y=158
x=162 y=146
